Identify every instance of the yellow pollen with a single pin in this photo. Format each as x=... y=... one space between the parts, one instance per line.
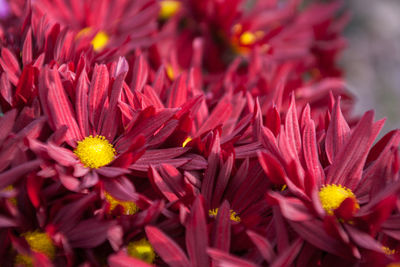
x=234 y=216
x=393 y=264
x=248 y=38
x=13 y=200
x=388 y=251
x=95 y=152
x=168 y=9
x=170 y=72
x=38 y=242
x=130 y=208
x=331 y=196
x=187 y=140
x=142 y=250
x=84 y=32
x=100 y=41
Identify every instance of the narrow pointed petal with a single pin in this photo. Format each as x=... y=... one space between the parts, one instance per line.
x=292 y=129
x=347 y=168
x=197 y=235
x=81 y=104
x=222 y=180
x=207 y=187
x=337 y=134
x=221 y=258
x=12 y=175
x=286 y=258
x=88 y=233
x=178 y=93
x=263 y=245
x=56 y=105
x=168 y=250
x=123 y=260
x=221 y=236
x=98 y=93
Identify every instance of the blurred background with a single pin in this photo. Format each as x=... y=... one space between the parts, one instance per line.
x=372 y=59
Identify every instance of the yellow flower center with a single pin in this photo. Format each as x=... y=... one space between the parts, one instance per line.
x=168 y=9
x=388 y=251
x=394 y=264
x=187 y=140
x=99 y=41
x=142 y=250
x=130 y=208
x=233 y=215
x=331 y=196
x=247 y=38
x=38 y=242
x=95 y=152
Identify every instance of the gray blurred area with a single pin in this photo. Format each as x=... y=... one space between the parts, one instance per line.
x=372 y=59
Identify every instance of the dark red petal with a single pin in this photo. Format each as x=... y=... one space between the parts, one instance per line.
x=222 y=181
x=88 y=233
x=56 y=105
x=27 y=48
x=292 y=208
x=263 y=245
x=347 y=168
x=97 y=93
x=311 y=158
x=123 y=260
x=112 y=120
x=168 y=250
x=313 y=232
x=272 y=168
x=363 y=239
x=219 y=115
x=140 y=72
x=221 y=235
x=292 y=129
x=337 y=134
x=7 y=123
x=197 y=235
x=67 y=216
x=289 y=255
x=12 y=175
x=207 y=187
x=221 y=258
x=81 y=103
x=161 y=185
x=177 y=96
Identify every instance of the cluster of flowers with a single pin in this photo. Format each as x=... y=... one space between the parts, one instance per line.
x=188 y=133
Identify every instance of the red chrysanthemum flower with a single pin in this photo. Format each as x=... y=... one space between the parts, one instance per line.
x=106 y=24
x=333 y=207
x=91 y=123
